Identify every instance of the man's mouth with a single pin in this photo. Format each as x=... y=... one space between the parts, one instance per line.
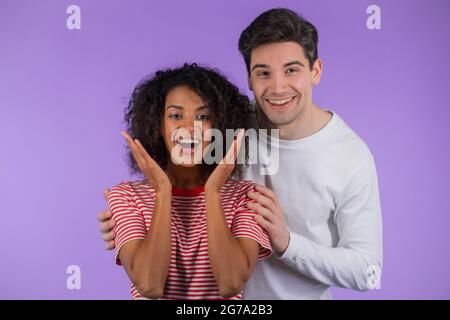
x=280 y=103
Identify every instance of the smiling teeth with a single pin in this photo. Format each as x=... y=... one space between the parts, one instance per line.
x=188 y=143
x=280 y=101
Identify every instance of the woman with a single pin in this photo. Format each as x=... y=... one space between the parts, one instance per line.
x=185 y=232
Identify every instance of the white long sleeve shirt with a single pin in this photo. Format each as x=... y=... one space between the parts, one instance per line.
x=328 y=189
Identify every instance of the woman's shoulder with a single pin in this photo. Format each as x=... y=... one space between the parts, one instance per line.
x=238 y=186
x=132 y=188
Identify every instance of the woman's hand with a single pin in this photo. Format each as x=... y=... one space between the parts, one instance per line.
x=149 y=167
x=225 y=167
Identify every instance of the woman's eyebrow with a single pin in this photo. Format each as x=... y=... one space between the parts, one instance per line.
x=181 y=108
x=174 y=106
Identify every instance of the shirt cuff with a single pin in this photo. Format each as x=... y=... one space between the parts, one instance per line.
x=298 y=250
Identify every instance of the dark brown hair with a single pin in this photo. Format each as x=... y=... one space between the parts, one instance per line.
x=279 y=25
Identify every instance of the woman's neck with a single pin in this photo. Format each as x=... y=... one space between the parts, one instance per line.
x=185 y=177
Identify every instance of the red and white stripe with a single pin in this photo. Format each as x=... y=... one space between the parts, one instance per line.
x=190 y=275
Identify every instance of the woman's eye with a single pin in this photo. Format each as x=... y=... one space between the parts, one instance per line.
x=175 y=116
x=202 y=117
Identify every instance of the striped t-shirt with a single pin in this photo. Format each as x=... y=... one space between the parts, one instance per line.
x=190 y=275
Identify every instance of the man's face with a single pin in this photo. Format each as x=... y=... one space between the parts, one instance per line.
x=282 y=81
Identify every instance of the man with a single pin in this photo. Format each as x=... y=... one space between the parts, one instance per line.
x=321 y=209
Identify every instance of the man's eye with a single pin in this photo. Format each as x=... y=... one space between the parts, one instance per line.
x=263 y=74
x=291 y=70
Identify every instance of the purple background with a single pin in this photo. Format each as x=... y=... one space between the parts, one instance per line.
x=62 y=95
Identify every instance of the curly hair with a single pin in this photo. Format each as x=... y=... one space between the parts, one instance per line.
x=228 y=109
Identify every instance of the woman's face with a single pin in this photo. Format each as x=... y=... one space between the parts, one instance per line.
x=185 y=120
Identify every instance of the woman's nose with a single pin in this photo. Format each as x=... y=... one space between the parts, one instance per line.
x=193 y=127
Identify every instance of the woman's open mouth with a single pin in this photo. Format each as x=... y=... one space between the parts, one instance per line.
x=188 y=146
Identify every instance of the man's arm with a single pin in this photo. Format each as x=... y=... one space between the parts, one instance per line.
x=356 y=262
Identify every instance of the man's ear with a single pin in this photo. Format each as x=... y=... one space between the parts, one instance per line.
x=317 y=71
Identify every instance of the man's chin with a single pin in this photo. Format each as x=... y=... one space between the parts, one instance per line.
x=279 y=117
x=276 y=119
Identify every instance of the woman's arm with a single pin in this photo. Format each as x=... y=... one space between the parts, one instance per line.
x=232 y=259
x=147 y=261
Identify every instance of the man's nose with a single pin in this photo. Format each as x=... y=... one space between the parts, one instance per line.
x=278 y=84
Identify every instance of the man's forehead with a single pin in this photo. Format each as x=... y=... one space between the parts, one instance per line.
x=278 y=54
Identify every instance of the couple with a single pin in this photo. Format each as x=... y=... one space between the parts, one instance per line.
x=195 y=231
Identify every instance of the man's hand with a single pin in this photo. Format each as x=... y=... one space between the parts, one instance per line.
x=107 y=225
x=269 y=216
